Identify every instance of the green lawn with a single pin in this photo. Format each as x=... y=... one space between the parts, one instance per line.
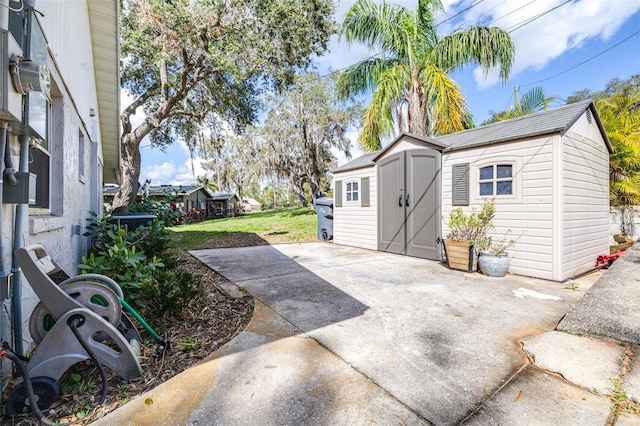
x=275 y=226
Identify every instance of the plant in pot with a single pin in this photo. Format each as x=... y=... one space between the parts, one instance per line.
x=465 y=230
x=493 y=258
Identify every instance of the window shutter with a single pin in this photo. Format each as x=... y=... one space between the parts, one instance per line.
x=364 y=192
x=337 y=194
x=460 y=185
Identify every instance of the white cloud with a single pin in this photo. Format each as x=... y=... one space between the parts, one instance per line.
x=550 y=36
x=170 y=173
x=537 y=43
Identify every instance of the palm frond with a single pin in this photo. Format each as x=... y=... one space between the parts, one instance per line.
x=535 y=100
x=378 y=120
x=362 y=77
x=489 y=48
x=376 y=26
x=448 y=112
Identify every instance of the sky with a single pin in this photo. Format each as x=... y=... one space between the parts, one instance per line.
x=562 y=45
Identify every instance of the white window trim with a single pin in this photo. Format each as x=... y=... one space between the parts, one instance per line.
x=346 y=191
x=516 y=186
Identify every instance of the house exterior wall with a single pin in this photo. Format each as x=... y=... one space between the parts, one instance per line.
x=528 y=213
x=354 y=225
x=195 y=200
x=74 y=149
x=585 y=198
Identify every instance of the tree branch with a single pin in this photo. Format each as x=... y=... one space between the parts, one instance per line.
x=125 y=116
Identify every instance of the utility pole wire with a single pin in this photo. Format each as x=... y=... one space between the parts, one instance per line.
x=540 y=15
x=459 y=13
x=585 y=61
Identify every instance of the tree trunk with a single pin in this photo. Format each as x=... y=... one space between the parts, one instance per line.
x=131 y=163
x=416 y=118
x=301 y=197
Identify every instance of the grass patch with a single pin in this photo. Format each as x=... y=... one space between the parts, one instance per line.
x=275 y=226
x=622 y=404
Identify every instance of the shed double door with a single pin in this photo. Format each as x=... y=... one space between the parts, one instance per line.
x=409 y=203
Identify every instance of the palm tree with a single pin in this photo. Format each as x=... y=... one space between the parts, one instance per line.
x=620 y=116
x=533 y=101
x=409 y=80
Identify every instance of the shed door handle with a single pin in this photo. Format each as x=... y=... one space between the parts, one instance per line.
x=400 y=198
x=406 y=200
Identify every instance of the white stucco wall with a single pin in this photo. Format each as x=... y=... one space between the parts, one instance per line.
x=72 y=194
x=354 y=225
x=66 y=25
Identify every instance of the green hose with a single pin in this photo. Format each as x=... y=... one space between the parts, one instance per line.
x=140 y=319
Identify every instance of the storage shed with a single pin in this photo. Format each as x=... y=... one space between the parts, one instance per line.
x=548 y=173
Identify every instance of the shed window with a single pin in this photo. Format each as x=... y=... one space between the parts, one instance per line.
x=496 y=180
x=352 y=191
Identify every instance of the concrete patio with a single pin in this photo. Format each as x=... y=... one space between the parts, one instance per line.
x=350 y=336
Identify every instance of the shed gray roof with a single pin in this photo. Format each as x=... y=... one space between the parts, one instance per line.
x=557 y=120
x=361 y=162
x=223 y=196
x=368 y=159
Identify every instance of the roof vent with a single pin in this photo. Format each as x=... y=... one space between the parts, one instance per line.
x=589 y=119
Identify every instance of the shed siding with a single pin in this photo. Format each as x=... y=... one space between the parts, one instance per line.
x=405 y=145
x=528 y=213
x=585 y=219
x=354 y=225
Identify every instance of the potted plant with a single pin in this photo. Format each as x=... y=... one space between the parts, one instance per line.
x=465 y=230
x=493 y=257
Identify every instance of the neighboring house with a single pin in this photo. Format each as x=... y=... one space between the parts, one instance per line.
x=181 y=197
x=224 y=204
x=251 y=205
x=65 y=144
x=548 y=173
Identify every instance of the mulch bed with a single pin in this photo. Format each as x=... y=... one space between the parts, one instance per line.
x=194 y=336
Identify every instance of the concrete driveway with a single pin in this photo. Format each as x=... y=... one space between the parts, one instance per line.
x=439 y=342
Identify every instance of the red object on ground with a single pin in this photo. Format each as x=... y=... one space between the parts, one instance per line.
x=605 y=260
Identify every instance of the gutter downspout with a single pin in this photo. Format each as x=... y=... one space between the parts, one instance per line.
x=22 y=211
x=3 y=143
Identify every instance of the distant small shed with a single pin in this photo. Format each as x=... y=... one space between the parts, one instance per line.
x=548 y=173
x=224 y=204
x=251 y=205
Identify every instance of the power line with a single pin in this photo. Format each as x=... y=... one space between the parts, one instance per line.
x=540 y=15
x=585 y=61
x=513 y=11
x=459 y=13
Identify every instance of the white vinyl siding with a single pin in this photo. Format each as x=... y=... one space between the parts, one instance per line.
x=528 y=212
x=585 y=219
x=354 y=225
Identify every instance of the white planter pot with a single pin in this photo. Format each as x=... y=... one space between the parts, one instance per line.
x=494 y=265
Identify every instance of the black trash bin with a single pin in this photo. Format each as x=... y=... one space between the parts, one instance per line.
x=132 y=221
x=324 y=209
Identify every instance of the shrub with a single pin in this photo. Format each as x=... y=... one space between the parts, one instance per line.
x=473 y=225
x=169 y=293
x=160 y=209
x=157 y=289
x=152 y=239
x=124 y=263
